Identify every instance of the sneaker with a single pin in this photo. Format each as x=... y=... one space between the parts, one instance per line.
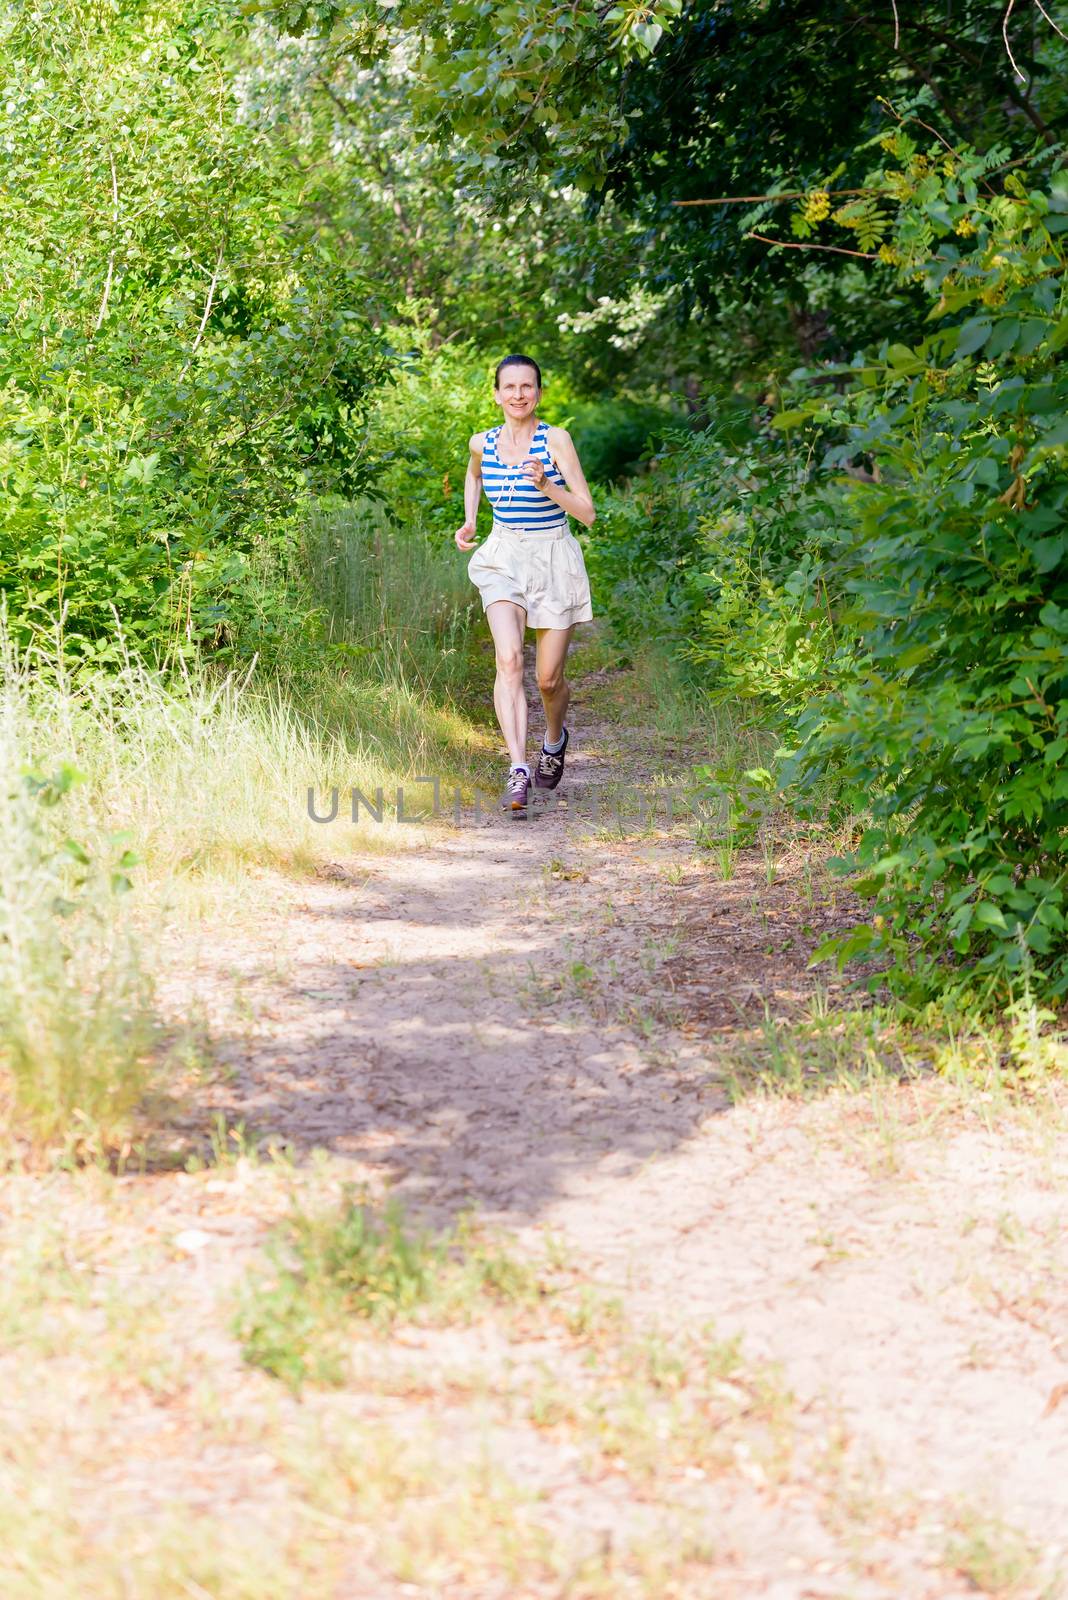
x=517 y=790
x=550 y=767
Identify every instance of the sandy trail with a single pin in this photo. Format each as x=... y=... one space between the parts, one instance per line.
x=498 y=1019
x=482 y=1016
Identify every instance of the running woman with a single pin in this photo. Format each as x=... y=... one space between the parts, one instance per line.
x=530 y=570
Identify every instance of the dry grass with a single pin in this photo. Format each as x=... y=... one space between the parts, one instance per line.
x=181 y=787
x=438 y=1461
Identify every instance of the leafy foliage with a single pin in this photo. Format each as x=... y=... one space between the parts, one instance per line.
x=716 y=555
x=182 y=355
x=528 y=86
x=906 y=617
x=953 y=567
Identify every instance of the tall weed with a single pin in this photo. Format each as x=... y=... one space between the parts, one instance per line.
x=180 y=784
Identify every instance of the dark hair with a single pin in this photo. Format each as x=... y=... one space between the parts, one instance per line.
x=515 y=361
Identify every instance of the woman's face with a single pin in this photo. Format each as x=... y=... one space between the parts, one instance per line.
x=517 y=393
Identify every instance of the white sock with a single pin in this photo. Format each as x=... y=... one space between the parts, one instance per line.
x=520 y=766
x=554 y=749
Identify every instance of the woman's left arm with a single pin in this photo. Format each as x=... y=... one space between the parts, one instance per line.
x=576 y=499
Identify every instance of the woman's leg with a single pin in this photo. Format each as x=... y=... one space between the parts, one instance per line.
x=507 y=624
x=553 y=686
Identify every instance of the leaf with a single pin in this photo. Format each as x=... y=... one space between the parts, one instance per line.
x=901 y=358
x=1032 y=332
x=49 y=791
x=759 y=776
x=1049 y=553
x=1057 y=435
x=973 y=335
x=647 y=34
x=1003 y=338
x=843 y=947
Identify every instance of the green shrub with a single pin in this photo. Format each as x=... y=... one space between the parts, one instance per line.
x=183 y=354
x=643 y=555
x=615 y=435
x=76 y=1023
x=907 y=623
x=717 y=556
x=953 y=567
x=436 y=399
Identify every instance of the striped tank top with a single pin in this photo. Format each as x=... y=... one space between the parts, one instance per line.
x=512 y=495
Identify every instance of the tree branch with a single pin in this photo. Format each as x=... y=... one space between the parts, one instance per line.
x=111 y=258
x=1020 y=101
x=753 y=199
x=1008 y=46
x=1050 y=20
x=872 y=26
x=835 y=249
x=207 y=308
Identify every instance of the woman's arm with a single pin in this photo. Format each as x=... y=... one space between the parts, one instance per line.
x=576 y=499
x=465 y=536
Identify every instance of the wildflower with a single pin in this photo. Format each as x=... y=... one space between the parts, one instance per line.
x=817 y=205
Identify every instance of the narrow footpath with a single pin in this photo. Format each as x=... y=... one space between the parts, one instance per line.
x=520 y=1018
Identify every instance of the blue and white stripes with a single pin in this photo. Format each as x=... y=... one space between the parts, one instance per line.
x=510 y=492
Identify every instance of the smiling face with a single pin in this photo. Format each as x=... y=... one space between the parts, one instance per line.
x=518 y=391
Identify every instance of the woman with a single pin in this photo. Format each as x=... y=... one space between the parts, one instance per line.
x=530 y=571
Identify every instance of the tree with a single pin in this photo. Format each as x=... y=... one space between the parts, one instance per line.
x=183 y=351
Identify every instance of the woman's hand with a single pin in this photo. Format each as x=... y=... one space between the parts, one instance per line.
x=534 y=469
x=465 y=537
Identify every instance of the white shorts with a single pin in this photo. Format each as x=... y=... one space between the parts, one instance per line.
x=537 y=568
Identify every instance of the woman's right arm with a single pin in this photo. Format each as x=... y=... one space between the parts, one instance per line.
x=465 y=536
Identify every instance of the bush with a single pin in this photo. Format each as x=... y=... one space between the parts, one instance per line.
x=907 y=622
x=716 y=556
x=183 y=356
x=615 y=435
x=953 y=568
x=644 y=553
x=436 y=399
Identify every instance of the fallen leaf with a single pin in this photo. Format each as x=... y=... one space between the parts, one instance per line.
x=1058 y=1393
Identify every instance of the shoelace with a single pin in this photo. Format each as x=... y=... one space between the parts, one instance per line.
x=549 y=764
x=517 y=781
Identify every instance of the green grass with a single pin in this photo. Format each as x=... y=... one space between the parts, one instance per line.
x=997 y=1560
x=138 y=800
x=357 y=1262
x=1017 y=1058
x=819 y=1051
x=398 y=606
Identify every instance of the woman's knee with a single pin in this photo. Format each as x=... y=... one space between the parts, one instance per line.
x=551 y=679
x=510 y=662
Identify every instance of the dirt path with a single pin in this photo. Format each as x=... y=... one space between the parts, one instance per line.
x=529 y=1019
x=503 y=1018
